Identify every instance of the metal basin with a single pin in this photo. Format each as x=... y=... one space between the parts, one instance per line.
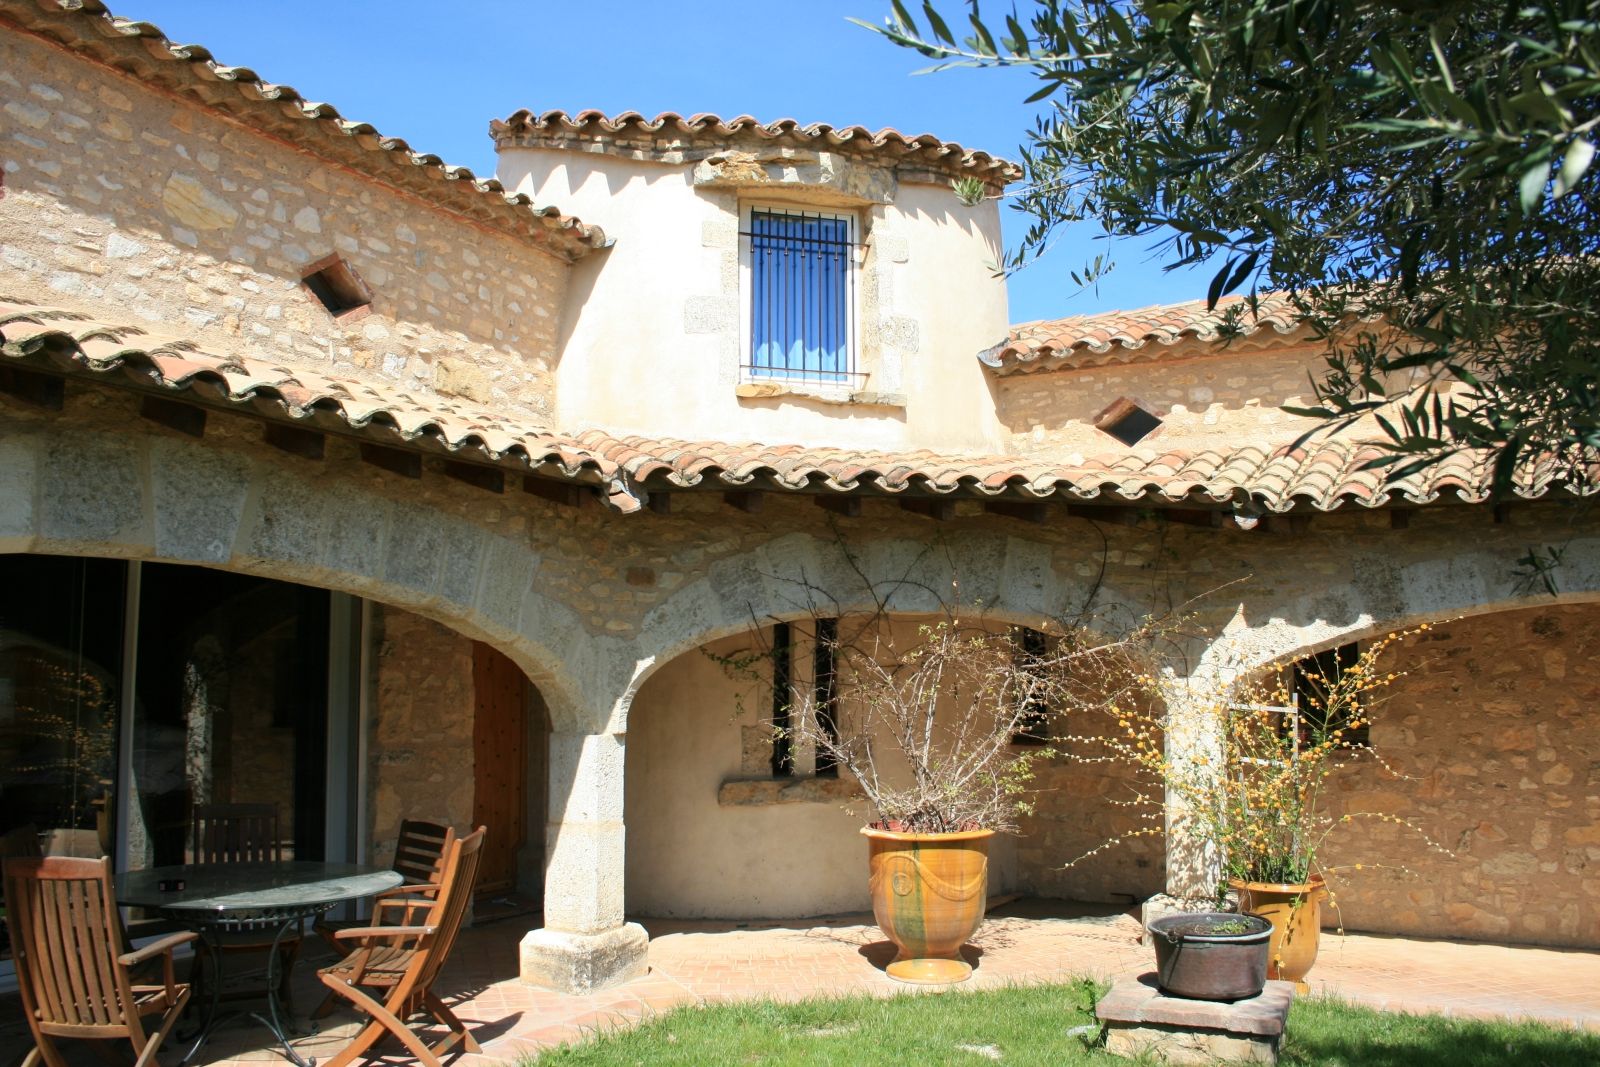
x=1211 y=955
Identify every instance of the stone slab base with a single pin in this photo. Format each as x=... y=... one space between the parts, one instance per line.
x=1141 y=1021
x=583 y=963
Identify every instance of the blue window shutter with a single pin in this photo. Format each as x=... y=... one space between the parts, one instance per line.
x=799 y=296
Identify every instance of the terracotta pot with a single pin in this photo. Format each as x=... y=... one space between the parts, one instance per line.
x=1295 y=912
x=928 y=895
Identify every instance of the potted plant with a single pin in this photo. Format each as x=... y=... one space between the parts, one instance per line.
x=1250 y=783
x=927 y=718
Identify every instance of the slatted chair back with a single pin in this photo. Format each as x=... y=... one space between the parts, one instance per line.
x=455 y=895
x=400 y=964
x=236 y=833
x=419 y=851
x=66 y=937
x=73 y=971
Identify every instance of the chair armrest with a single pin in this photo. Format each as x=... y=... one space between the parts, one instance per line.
x=362 y=932
x=402 y=911
x=406 y=888
x=405 y=894
x=156 y=948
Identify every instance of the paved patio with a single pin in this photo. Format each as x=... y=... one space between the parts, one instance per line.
x=1027 y=941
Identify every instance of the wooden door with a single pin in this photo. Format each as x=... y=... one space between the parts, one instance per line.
x=499 y=736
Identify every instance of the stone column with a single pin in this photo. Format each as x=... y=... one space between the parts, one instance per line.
x=1194 y=865
x=585 y=944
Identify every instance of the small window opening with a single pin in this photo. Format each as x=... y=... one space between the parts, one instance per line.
x=782 y=725
x=1127 y=422
x=1033 y=725
x=1311 y=680
x=825 y=690
x=337 y=286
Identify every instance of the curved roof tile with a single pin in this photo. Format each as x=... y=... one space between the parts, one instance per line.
x=1123 y=336
x=1325 y=475
x=674 y=130
x=141 y=48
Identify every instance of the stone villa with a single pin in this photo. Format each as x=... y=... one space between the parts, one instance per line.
x=336 y=476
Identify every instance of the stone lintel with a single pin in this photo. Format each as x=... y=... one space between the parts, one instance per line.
x=583 y=963
x=760 y=792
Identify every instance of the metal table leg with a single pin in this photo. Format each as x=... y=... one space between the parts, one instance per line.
x=208 y=1011
x=272 y=1022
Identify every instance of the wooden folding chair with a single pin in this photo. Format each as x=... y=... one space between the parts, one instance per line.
x=242 y=833
x=236 y=833
x=400 y=963
x=419 y=860
x=75 y=980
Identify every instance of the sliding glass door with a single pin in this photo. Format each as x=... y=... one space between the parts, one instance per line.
x=60 y=700
x=132 y=694
x=231 y=708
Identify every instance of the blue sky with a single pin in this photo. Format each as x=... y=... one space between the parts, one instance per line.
x=436 y=73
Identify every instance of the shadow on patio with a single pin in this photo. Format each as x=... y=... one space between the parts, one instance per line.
x=1025 y=941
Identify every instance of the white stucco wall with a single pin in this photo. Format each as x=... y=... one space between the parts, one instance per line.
x=688 y=855
x=655 y=328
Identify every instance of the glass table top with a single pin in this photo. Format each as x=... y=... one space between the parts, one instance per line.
x=220 y=888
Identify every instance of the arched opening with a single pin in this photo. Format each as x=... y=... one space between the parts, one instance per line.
x=727 y=820
x=134 y=693
x=1488 y=747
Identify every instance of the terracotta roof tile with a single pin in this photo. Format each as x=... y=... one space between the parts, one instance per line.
x=1126 y=336
x=1324 y=475
x=141 y=48
x=671 y=132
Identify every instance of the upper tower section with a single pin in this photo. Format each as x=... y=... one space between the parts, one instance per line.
x=773 y=282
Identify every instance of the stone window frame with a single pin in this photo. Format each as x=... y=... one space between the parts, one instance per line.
x=1110 y=419
x=1344 y=655
x=788 y=774
x=350 y=314
x=844 y=391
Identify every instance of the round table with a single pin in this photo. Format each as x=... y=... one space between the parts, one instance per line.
x=219 y=897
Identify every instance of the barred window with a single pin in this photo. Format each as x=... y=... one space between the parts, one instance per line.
x=801 y=284
x=1310 y=681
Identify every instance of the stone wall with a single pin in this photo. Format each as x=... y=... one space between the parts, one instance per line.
x=1068 y=847
x=420 y=754
x=1491 y=746
x=1203 y=394
x=144 y=209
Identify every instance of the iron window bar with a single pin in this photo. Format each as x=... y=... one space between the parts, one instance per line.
x=802 y=294
x=1291 y=713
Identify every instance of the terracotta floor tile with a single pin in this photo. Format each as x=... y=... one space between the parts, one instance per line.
x=1029 y=942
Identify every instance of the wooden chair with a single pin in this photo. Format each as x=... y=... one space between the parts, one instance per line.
x=400 y=963
x=74 y=977
x=236 y=833
x=242 y=833
x=419 y=861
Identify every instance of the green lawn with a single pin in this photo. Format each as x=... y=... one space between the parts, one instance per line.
x=1034 y=1026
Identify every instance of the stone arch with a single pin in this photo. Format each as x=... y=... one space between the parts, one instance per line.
x=1383 y=597
x=1012 y=579
x=70 y=491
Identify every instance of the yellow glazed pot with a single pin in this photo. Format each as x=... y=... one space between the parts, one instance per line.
x=928 y=895
x=1295 y=912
